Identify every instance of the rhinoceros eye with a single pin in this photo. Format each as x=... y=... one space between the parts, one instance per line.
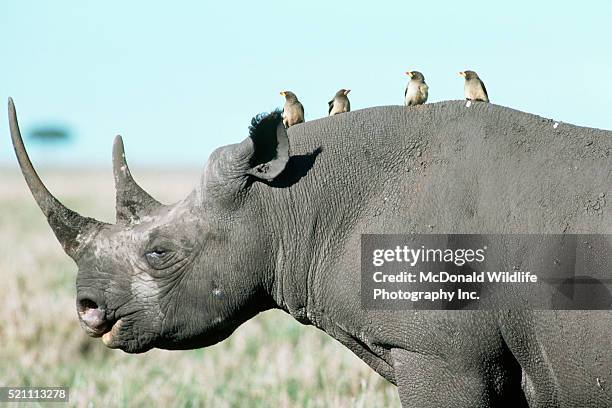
x=158 y=257
x=158 y=252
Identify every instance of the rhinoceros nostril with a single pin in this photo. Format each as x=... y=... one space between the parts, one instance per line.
x=85 y=304
x=93 y=317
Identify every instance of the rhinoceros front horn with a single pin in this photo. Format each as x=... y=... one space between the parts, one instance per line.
x=70 y=228
x=132 y=201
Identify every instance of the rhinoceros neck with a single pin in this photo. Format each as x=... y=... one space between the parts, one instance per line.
x=328 y=190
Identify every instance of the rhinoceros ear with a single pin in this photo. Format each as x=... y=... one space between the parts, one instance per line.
x=262 y=156
x=265 y=152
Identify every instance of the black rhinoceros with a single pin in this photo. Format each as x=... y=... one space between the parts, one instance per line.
x=276 y=223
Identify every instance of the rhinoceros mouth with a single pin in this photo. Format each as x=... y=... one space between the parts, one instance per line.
x=110 y=334
x=99 y=331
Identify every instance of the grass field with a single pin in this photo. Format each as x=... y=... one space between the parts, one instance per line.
x=271 y=361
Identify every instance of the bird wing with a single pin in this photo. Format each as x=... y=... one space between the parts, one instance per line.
x=423 y=88
x=405 y=91
x=331 y=106
x=484 y=89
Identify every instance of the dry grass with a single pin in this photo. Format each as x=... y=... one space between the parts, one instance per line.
x=270 y=361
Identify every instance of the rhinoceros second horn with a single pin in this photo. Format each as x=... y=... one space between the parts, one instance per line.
x=132 y=202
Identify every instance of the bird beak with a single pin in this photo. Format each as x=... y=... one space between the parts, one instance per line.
x=462 y=74
x=282 y=93
x=409 y=73
x=347 y=92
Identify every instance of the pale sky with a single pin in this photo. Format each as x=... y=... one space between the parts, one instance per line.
x=178 y=79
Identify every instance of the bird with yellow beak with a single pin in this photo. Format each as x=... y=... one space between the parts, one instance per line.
x=417 y=90
x=474 y=88
x=340 y=103
x=293 y=111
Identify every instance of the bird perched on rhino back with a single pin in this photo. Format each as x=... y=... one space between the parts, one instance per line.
x=293 y=111
x=417 y=90
x=340 y=103
x=474 y=88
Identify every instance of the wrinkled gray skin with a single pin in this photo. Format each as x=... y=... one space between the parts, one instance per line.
x=263 y=230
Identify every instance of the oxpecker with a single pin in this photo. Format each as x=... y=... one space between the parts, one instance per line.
x=293 y=111
x=474 y=88
x=417 y=90
x=340 y=103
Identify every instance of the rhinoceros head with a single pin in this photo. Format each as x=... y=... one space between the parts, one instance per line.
x=171 y=276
